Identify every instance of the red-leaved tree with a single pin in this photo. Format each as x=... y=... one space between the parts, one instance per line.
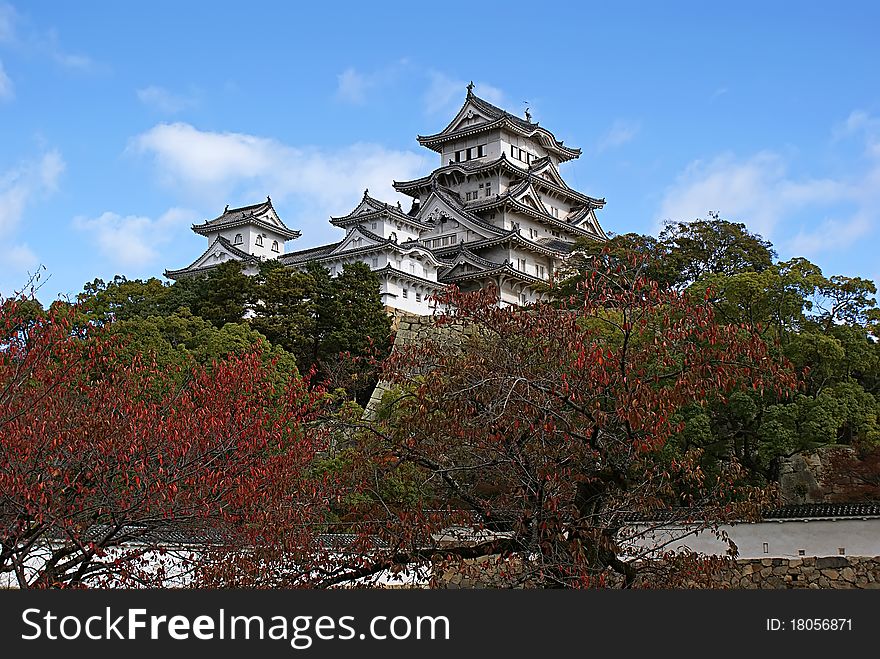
x=541 y=436
x=122 y=473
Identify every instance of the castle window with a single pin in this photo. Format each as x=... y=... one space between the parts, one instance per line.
x=841 y=551
x=238 y=239
x=470 y=154
x=523 y=298
x=539 y=270
x=766 y=547
x=259 y=241
x=375 y=261
x=513 y=151
x=418 y=297
x=405 y=293
x=488 y=189
x=274 y=245
x=373 y=226
x=481 y=151
x=458 y=156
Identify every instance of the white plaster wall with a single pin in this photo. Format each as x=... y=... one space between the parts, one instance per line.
x=392 y=296
x=784 y=539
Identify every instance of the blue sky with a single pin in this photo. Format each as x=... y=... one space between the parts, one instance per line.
x=122 y=123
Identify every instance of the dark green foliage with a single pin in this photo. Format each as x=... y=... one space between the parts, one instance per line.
x=336 y=327
x=822 y=325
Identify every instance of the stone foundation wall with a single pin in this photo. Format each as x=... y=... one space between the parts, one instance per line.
x=837 y=572
x=832 y=572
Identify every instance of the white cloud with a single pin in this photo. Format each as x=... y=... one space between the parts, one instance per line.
x=446 y=94
x=832 y=234
x=756 y=191
x=21 y=258
x=7 y=23
x=51 y=44
x=6 y=89
x=760 y=192
x=353 y=86
x=213 y=166
x=861 y=124
x=621 y=132
x=19 y=34
x=24 y=184
x=132 y=240
x=163 y=100
x=21 y=186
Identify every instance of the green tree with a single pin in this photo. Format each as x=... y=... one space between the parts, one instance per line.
x=284 y=309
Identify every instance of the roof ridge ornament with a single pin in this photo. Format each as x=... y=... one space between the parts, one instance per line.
x=366 y=192
x=226 y=210
x=470 y=88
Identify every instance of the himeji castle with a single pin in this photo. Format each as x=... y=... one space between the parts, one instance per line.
x=496 y=212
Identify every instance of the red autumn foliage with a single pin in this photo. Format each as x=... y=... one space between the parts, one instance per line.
x=101 y=463
x=550 y=427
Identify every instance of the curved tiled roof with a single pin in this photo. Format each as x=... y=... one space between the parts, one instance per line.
x=503 y=163
x=309 y=254
x=233 y=217
x=800 y=511
x=825 y=510
x=497 y=117
x=241 y=255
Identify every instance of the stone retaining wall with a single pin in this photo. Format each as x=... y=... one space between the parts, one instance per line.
x=832 y=572
x=837 y=572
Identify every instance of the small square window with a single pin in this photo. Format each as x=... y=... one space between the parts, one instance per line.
x=766 y=547
x=841 y=551
x=802 y=552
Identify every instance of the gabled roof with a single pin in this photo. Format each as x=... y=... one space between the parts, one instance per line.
x=262 y=215
x=370 y=208
x=542 y=171
x=390 y=271
x=512 y=199
x=482 y=268
x=356 y=235
x=219 y=246
x=495 y=117
x=450 y=277
x=556 y=248
x=343 y=249
x=456 y=210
